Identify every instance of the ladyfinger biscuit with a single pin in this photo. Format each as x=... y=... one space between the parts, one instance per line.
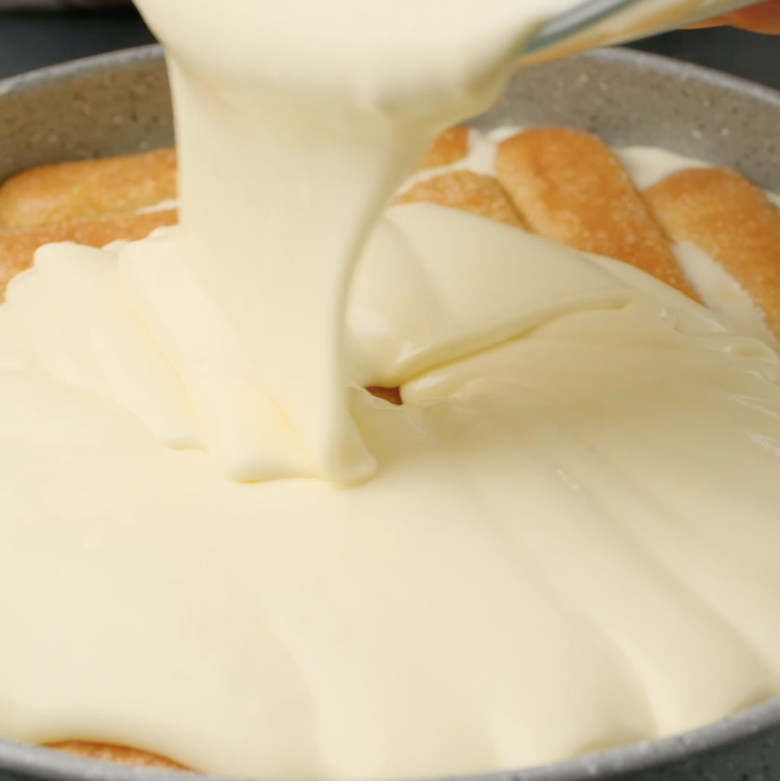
x=450 y=147
x=571 y=188
x=86 y=190
x=119 y=754
x=392 y=395
x=17 y=249
x=731 y=220
x=467 y=191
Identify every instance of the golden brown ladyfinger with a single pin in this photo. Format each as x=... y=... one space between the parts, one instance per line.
x=450 y=147
x=392 y=395
x=88 y=189
x=122 y=755
x=467 y=191
x=570 y=187
x=730 y=219
x=17 y=249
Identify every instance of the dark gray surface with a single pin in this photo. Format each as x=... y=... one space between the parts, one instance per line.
x=29 y=41
x=121 y=103
x=748 y=55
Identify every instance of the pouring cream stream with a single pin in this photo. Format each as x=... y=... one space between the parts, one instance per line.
x=575 y=507
x=296 y=122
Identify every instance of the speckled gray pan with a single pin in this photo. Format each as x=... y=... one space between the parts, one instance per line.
x=120 y=103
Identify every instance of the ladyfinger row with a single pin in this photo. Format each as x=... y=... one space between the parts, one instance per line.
x=563 y=184
x=572 y=188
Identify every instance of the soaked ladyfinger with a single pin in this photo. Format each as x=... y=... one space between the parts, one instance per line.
x=731 y=220
x=571 y=188
x=87 y=189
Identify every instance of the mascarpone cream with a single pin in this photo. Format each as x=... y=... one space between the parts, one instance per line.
x=575 y=507
x=568 y=541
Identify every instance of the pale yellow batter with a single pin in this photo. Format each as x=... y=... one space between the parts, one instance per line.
x=564 y=540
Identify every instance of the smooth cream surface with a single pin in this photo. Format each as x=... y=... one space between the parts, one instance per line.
x=568 y=538
x=575 y=508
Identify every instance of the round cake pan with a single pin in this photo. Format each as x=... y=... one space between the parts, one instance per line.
x=120 y=103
